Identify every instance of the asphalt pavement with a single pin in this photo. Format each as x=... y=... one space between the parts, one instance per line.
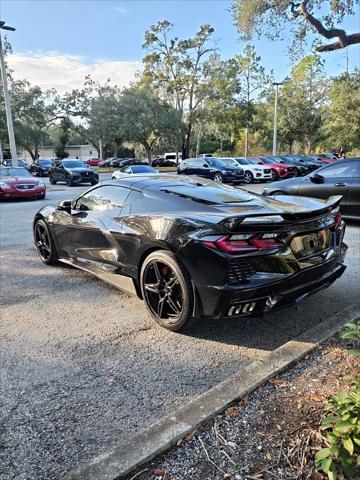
x=82 y=365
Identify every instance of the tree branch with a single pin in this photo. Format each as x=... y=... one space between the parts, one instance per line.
x=344 y=39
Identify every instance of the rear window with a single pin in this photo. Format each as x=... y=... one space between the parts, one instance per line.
x=217 y=194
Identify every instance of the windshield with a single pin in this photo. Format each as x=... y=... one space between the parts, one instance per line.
x=214 y=162
x=243 y=161
x=267 y=160
x=142 y=169
x=14 y=172
x=74 y=164
x=45 y=163
x=230 y=162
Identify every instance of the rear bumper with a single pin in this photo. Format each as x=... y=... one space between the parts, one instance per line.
x=250 y=298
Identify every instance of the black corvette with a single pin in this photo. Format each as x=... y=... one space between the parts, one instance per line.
x=192 y=248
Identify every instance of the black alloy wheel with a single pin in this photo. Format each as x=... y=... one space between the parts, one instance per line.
x=44 y=243
x=69 y=181
x=94 y=182
x=167 y=290
x=218 y=178
x=248 y=177
x=52 y=180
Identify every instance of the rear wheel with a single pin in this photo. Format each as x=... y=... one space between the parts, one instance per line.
x=218 y=178
x=44 y=243
x=167 y=290
x=52 y=180
x=248 y=177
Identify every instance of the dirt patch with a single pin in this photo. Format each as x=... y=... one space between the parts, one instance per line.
x=271 y=434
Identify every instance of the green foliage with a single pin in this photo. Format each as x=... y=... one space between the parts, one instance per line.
x=341 y=126
x=145 y=119
x=254 y=18
x=342 y=425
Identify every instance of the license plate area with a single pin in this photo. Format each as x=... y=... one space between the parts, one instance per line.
x=305 y=246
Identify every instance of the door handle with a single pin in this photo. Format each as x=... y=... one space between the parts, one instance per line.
x=340 y=184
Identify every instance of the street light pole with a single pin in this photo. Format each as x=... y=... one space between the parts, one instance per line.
x=7 y=99
x=274 y=152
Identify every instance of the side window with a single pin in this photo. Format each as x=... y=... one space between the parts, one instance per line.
x=341 y=169
x=102 y=198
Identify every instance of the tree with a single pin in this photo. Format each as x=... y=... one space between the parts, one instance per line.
x=145 y=119
x=341 y=126
x=272 y=18
x=175 y=69
x=32 y=110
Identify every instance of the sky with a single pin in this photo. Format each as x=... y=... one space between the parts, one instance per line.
x=58 y=42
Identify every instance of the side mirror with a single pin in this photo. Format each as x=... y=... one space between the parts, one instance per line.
x=316 y=178
x=205 y=165
x=64 y=206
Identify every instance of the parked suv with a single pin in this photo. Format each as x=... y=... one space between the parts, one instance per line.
x=72 y=171
x=41 y=167
x=212 y=168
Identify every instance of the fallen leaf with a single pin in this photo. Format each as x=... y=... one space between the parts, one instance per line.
x=276 y=381
x=268 y=456
x=159 y=472
x=302 y=378
x=232 y=411
x=279 y=428
x=227 y=475
x=316 y=398
x=216 y=365
x=299 y=404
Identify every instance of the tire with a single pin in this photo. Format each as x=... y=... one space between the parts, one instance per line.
x=218 y=178
x=274 y=175
x=296 y=173
x=248 y=177
x=167 y=290
x=51 y=180
x=69 y=182
x=44 y=243
x=94 y=182
x=41 y=197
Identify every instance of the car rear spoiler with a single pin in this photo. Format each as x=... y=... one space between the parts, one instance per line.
x=273 y=219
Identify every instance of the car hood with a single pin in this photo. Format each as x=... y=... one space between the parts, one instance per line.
x=19 y=180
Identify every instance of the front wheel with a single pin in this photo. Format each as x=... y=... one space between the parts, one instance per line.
x=44 y=243
x=248 y=177
x=52 y=180
x=273 y=175
x=296 y=172
x=94 y=182
x=167 y=290
x=69 y=182
x=218 y=178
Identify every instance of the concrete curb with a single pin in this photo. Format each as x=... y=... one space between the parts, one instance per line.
x=160 y=436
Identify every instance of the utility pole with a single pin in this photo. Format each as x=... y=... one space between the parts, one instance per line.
x=274 y=152
x=9 y=120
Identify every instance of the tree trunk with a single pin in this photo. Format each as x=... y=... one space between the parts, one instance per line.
x=246 y=150
x=101 y=151
x=187 y=141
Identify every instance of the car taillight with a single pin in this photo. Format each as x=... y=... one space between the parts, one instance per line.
x=338 y=220
x=244 y=242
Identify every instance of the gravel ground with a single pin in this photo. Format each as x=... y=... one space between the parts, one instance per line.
x=270 y=434
x=82 y=365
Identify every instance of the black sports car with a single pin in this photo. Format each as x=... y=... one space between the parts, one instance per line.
x=72 y=171
x=192 y=248
x=339 y=178
x=212 y=168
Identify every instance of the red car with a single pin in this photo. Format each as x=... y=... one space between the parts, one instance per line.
x=322 y=158
x=16 y=182
x=93 y=162
x=278 y=170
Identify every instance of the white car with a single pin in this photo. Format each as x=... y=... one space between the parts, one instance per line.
x=253 y=171
x=133 y=169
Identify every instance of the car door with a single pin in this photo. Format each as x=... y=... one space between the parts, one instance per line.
x=353 y=203
x=57 y=171
x=334 y=179
x=84 y=233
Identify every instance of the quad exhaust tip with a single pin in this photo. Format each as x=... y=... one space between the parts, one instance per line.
x=242 y=309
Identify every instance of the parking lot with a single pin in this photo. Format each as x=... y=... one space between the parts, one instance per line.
x=82 y=365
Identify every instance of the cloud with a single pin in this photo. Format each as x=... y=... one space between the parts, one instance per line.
x=65 y=72
x=120 y=10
